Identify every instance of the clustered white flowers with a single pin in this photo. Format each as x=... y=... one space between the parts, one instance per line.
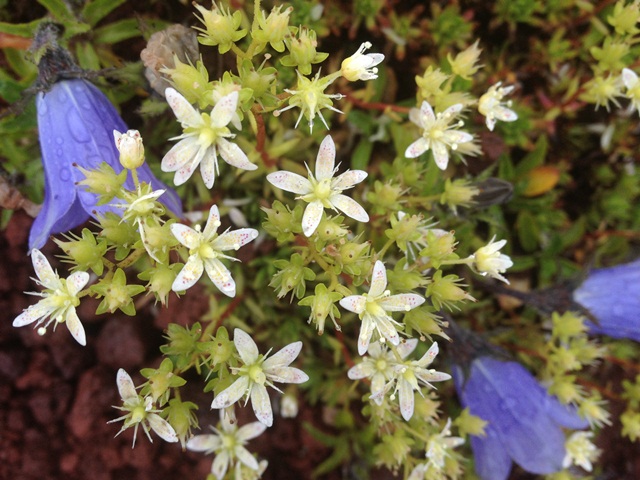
x=372 y=309
x=386 y=368
x=324 y=190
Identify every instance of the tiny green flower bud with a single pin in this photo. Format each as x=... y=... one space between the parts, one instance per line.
x=440 y=247
x=602 y=90
x=459 y=193
x=322 y=305
x=161 y=278
x=331 y=229
x=353 y=257
x=630 y=421
x=292 y=276
x=429 y=85
x=182 y=418
x=131 y=149
x=116 y=294
x=221 y=28
x=273 y=29
x=219 y=349
x=465 y=64
x=446 y=291
x=384 y=197
x=281 y=222
x=160 y=380
x=183 y=344
x=625 y=18
x=85 y=252
x=104 y=182
x=191 y=81
x=302 y=51
x=117 y=232
x=258 y=81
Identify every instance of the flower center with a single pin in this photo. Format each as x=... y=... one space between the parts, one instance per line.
x=256 y=374
x=323 y=189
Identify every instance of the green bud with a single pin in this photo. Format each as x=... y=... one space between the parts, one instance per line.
x=459 y=193
x=403 y=279
x=182 y=344
x=440 y=247
x=104 y=182
x=292 y=276
x=182 y=418
x=610 y=55
x=281 y=222
x=446 y=291
x=192 y=82
x=85 y=252
x=219 y=349
x=465 y=64
x=404 y=228
x=564 y=387
x=602 y=90
x=322 y=305
x=258 y=81
x=273 y=29
x=384 y=197
x=331 y=229
x=160 y=380
x=116 y=294
x=302 y=51
x=469 y=424
x=158 y=239
x=160 y=280
x=393 y=449
x=221 y=28
x=630 y=421
x=121 y=234
x=429 y=85
x=353 y=258
x=625 y=18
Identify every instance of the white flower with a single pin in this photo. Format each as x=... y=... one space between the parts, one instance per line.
x=439 y=444
x=204 y=137
x=580 y=451
x=257 y=372
x=493 y=108
x=228 y=444
x=437 y=133
x=631 y=82
x=379 y=365
x=489 y=261
x=361 y=66
x=410 y=374
x=140 y=412
x=59 y=299
x=324 y=190
x=205 y=250
x=373 y=307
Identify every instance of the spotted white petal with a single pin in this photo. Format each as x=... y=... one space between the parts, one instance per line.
x=250 y=430
x=180 y=154
x=287 y=375
x=209 y=166
x=325 y=161
x=220 y=464
x=182 y=109
x=234 y=239
x=364 y=369
x=185 y=172
x=378 y=279
x=187 y=236
x=245 y=456
x=76 y=282
x=261 y=404
x=204 y=443
x=224 y=109
x=75 y=326
x=407 y=347
x=126 y=388
x=453 y=109
x=349 y=207
x=31 y=314
x=231 y=394
x=290 y=182
x=247 y=348
x=283 y=357
x=366 y=331
x=213 y=222
x=503 y=113
x=457 y=137
x=48 y=278
x=428 y=357
x=189 y=274
x=401 y=303
x=164 y=430
x=387 y=329
x=440 y=154
x=417 y=148
x=348 y=179
x=354 y=303
x=220 y=276
x=312 y=217
x=233 y=155
x=405 y=394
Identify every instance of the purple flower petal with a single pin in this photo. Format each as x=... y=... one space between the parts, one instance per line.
x=75 y=124
x=524 y=420
x=612 y=295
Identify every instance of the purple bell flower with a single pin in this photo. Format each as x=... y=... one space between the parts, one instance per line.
x=612 y=297
x=524 y=421
x=76 y=123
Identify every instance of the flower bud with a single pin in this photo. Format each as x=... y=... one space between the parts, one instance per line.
x=84 y=252
x=446 y=291
x=131 y=149
x=289 y=405
x=459 y=193
x=465 y=64
x=322 y=305
x=104 y=182
x=221 y=27
x=302 y=51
